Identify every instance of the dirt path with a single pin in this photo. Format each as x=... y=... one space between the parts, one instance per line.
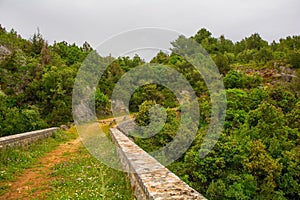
x=35 y=181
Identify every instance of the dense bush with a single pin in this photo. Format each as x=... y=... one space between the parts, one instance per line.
x=14 y=120
x=294 y=59
x=235 y=79
x=257 y=154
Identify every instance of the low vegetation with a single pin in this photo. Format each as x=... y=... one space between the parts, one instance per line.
x=256 y=156
x=13 y=161
x=84 y=177
x=78 y=176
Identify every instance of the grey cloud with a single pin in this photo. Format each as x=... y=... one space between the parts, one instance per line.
x=94 y=21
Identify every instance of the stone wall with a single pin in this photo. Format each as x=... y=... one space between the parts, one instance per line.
x=126 y=126
x=149 y=179
x=24 y=139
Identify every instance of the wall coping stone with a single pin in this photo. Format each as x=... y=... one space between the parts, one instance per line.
x=18 y=139
x=149 y=178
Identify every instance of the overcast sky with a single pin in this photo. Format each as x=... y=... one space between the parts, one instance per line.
x=96 y=20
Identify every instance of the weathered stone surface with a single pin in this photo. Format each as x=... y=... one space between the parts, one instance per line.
x=4 y=51
x=126 y=127
x=149 y=179
x=64 y=127
x=24 y=139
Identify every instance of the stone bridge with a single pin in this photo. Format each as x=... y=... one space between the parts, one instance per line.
x=149 y=179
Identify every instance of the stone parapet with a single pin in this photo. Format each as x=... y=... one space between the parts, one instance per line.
x=149 y=179
x=24 y=139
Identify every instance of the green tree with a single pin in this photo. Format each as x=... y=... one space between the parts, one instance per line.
x=37 y=43
x=201 y=35
x=294 y=59
x=102 y=104
x=216 y=190
x=222 y=63
x=234 y=79
x=142 y=117
x=264 y=168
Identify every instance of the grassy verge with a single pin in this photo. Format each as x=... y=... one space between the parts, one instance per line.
x=13 y=161
x=84 y=177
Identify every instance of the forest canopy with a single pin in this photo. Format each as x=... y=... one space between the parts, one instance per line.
x=257 y=155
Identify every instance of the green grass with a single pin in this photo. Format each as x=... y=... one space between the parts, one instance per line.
x=84 y=177
x=13 y=161
x=80 y=177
